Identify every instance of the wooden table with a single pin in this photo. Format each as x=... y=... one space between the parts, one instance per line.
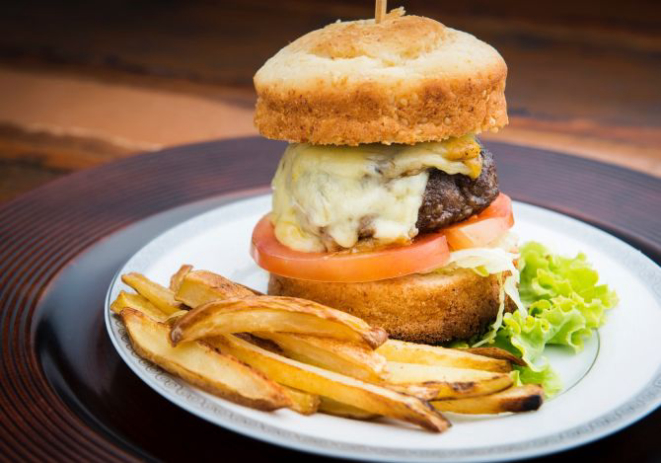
x=82 y=84
x=86 y=83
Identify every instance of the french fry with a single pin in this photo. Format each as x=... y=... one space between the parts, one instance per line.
x=515 y=399
x=351 y=359
x=158 y=295
x=202 y=365
x=421 y=391
x=333 y=407
x=201 y=287
x=178 y=278
x=344 y=389
x=137 y=302
x=254 y=291
x=408 y=352
x=450 y=382
x=302 y=402
x=273 y=314
x=173 y=317
x=261 y=342
x=496 y=353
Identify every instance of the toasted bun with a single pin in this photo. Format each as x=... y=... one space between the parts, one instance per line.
x=430 y=308
x=407 y=79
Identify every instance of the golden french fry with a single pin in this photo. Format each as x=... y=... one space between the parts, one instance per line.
x=173 y=317
x=421 y=391
x=344 y=389
x=261 y=342
x=158 y=295
x=449 y=381
x=302 y=402
x=273 y=314
x=333 y=407
x=351 y=359
x=201 y=287
x=496 y=353
x=137 y=302
x=408 y=352
x=178 y=278
x=515 y=399
x=202 y=365
x=254 y=291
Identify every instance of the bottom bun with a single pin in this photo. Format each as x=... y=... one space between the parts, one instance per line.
x=431 y=308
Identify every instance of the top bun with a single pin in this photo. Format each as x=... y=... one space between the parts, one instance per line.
x=407 y=79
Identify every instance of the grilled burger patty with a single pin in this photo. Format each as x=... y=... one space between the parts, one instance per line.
x=452 y=198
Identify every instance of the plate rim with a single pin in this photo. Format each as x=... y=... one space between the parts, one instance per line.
x=645 y=401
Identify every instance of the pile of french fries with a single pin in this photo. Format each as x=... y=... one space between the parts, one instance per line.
x=271 y=352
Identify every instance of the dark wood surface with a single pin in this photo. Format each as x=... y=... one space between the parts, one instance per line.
x=66 y=395
x=83 y=83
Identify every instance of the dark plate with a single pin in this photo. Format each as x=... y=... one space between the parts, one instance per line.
x=64 y=392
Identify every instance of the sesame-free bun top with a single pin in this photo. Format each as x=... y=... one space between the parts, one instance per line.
x=407 y=79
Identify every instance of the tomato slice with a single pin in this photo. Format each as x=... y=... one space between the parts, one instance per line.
x=483 y=228
x=423 y=255
x=426 y=253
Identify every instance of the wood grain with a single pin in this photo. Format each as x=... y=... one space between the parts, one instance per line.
x=583 y=76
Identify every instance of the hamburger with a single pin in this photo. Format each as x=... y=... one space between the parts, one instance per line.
x=385 y=204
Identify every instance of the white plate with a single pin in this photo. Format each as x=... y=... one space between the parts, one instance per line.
x=615 y=381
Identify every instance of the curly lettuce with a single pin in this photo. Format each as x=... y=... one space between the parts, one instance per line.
x=564 y=305
x=559 y=302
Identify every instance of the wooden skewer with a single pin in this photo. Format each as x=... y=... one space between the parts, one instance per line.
x=380 y=11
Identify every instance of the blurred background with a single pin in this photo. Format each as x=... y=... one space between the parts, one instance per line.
x=85 y=82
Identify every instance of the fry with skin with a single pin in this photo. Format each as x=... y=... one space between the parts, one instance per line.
x=351 y=359
x=137 y=302
x=202 y=365
x=449 y=382
x=302 y=402
x=496 y=353
x=515 y=399
x=261 y=342
x=158 y=295
x=201 y=287
x=409 y=352
x=178 y=278
x=273 y=314
x=333 y=407
x=421 y=391
x=344 y=389
x=172 y=318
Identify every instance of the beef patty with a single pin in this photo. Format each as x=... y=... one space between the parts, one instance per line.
x=452 y=198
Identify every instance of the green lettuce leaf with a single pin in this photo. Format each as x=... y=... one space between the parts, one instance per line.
x=544 y=375
x=564 y=305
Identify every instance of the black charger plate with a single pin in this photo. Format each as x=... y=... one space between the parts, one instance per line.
x=64 y=392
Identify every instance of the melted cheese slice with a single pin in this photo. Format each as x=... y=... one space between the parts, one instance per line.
x=328 y=197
